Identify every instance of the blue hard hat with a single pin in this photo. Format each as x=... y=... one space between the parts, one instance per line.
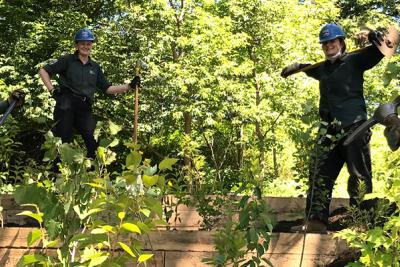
x=330 y=32
x=84 y=35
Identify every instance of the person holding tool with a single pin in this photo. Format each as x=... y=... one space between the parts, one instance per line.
x=79 y=77
x=17 y=95
x=342 y=107
x=16 y=99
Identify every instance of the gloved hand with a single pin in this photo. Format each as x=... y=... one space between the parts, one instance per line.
x=56 y=92
x=289 y=70
x=135 y=82
x=376 y=37
x=18 y=96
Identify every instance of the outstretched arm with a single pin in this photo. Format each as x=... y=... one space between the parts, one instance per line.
x=117 y=89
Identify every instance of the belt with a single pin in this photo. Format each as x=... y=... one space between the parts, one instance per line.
x=81 y=97
x=67 y=91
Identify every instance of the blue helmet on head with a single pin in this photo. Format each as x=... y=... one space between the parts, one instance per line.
x=84 y=35
x=330 y=32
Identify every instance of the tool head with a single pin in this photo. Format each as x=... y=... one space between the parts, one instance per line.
x=382 y=115
x=390 y=42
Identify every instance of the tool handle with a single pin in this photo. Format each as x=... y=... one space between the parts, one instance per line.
x=8 y=111
x=322 y=62
x=360 y=130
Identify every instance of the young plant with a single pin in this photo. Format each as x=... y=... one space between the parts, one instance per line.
x=98 y=218
x=380 y=244
x=250 y=235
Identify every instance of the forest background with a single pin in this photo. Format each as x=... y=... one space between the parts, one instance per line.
x=212 y=95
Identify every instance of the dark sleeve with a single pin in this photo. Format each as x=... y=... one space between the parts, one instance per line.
x=367 y=58
x=3 y=106
x=57 y=66
x=102 y=82
x=313 y=73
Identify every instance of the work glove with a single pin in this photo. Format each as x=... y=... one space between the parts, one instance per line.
x=135 y=82
x=56 y=92
x=18 y=96
x=376 y=37
x=392 y=131
x=289 y=70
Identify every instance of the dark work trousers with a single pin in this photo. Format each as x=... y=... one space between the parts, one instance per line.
x=325 y=167
x=71 y=112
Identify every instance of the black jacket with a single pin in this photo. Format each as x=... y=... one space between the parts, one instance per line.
x=341 y=86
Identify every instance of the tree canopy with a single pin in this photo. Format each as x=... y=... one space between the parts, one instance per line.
x=212 y=94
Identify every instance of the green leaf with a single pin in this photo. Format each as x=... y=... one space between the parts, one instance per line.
x=130 y=179
x=145 y=212
x=37 y=216
x=260 y=250
x=49 y=244
x=133 y=160
x=121 y=215
x=109 y=228
x=150 y=170
x=96 y=185
x=29 y=259
x=167 y=163
x=253 y=235
x=76 y=208
x=127 y=249
x=114 y=128
x=149 y=181
x=34 y=236
x=97 y=260
x=145 y=257
x=98 y=231
x=243 y=201
x=131 y=227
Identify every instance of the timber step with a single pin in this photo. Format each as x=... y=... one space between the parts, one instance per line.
x=188 y=248
x=183 y=243
x=287 y=210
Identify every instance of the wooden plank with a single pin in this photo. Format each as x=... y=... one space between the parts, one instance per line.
x=176 y=248
x=9 y=257
x=183 y=216
x=203 y=241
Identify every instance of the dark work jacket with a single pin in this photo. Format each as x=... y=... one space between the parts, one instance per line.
x=3 y=106
x=81 y=79
x=341 y=86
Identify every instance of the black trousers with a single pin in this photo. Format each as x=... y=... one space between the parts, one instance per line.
x=326 y=165
x=75 y=112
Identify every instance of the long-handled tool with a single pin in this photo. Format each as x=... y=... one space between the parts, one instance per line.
x=385 y=114
x=387 y=47
x=136 y=114
x=8 y=111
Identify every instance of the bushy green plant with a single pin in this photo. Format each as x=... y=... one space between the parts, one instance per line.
x=380 y=245
x=249 y=235
x=97 y=217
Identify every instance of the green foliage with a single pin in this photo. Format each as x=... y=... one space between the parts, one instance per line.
x=249 y=235
x=380 y=244
x=93 y=212
x=212 y=66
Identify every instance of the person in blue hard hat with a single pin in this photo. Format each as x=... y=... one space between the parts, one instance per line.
x=16 y=95
x=342 y=109
x=79 y=77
